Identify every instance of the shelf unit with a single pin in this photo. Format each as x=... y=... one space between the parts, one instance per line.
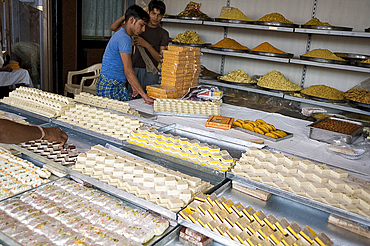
x=295 y=60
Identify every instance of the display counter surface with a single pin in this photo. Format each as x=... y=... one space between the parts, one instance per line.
x=299 y=145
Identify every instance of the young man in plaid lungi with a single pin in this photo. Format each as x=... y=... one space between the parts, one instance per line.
x=117 y=64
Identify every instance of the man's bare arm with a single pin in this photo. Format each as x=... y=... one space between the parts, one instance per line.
x=116 y=25
x=15 y=133
x=132 y=79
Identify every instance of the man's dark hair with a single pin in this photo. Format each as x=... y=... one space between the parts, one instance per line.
x=156 y=4
x=137 y=12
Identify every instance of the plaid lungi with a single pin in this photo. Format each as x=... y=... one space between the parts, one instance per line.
x=112 y=89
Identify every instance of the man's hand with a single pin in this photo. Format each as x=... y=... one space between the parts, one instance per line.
x=134 y=92
x=55 y=134
x=6 y=69
x=148 y=100
x=139 y=41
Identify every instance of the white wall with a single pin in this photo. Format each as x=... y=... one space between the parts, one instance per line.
x=354 y=13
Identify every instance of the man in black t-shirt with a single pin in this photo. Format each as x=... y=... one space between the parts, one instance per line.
x=148 y=46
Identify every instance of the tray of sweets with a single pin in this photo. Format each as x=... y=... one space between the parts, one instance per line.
x=74 y=204
x=352 y=56
x=288 y=55
x=360 y=105
x=351 y=130
x=233 y=21
x=293 y=211
x=254 y=82
x=228 y=50
x=323 y=99
x=289 y=135
x=202 y=116
x=333 y=28
x=275 y=90
x=277 y=24
x=315 y=59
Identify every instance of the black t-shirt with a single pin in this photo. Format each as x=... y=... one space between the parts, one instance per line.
x=156 y=37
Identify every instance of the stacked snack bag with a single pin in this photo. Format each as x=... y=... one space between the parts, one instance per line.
x=180 y=71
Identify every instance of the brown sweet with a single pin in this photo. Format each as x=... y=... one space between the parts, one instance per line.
x=338 y=126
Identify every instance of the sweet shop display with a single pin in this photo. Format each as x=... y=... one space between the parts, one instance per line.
x=162 y=186
x=192 y=150
x=101 y=121
x=105 y=102
x=186 y=106
x=65 y=155
x=180 y=68
x=18 y=175
x=305 y=178
x=66 y=213
x=38 y=101
x=243 y=224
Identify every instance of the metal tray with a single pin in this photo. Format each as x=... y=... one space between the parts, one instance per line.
x=328 y=136
x=223 y=20
x=289 y=135
x=274 y=90
x=170 y=16
x=334 y=28
x=194 y=18
x=315 y=59
x=236 y=83
x=228 y=50
x=362 y=64
x=297 y=208
x=289 y=55
x=173 y=239
x=192 y=45
x=223 y=240
x=202 y=116
x=323 y=99
x=351 y=56
x=277 y=24
x=363 y=106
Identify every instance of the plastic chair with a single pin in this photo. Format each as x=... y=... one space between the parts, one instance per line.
x=78 y=88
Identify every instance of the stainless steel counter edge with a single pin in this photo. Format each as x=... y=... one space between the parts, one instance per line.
x=364 y=222
x=217 y=237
